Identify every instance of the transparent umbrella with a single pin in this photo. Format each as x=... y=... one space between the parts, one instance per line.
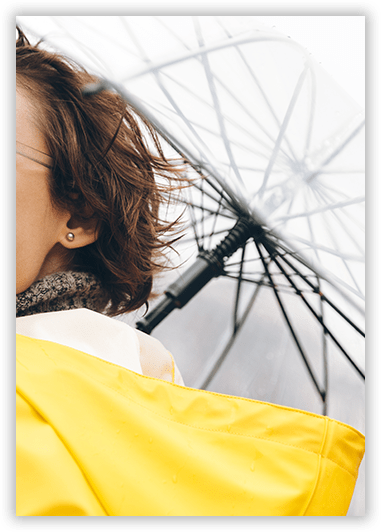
x=271 y=276
x=276 y=211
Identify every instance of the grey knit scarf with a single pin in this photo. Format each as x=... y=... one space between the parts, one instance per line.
x=62 y=291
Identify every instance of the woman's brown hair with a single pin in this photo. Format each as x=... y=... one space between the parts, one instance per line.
x=103 y=170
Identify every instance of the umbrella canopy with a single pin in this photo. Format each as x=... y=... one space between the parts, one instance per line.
x=271 y=140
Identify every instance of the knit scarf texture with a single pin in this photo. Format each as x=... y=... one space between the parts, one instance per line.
x=62 y=291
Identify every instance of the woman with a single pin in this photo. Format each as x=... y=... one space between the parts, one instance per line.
x=88 y=226
x=99 y=430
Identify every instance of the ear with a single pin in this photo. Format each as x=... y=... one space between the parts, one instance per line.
x=79 y=233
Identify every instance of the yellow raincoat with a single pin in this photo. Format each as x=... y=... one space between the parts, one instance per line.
x=96 y=439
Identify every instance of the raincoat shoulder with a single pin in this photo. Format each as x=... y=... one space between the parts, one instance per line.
x=98 y=438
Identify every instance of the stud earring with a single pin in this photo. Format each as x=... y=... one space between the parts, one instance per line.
x=70 y=236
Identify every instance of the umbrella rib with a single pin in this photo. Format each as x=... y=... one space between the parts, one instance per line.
x=350 y=236
x=240 y=39
x=312 y=114
x=263 y=93
x=238 y=291
x=87 y=51
x=300 y=294
x=270 y=107
x=325 y=354
x=342 y=259
x=166 y=93
x=221 y=192
x=285 y=315
x=283 y=128
x=195 y=166
x=325 y=193
x=330 y=250
x=217 y=78
x=230 y=120
x=232 y=95
x=212 y=88
x=312 y=235
x=211 y=371
x=236 y=200
x=201 y=221
x=193 y=223
x=339 y=205
x=216 y=215
x=317 y=291
x=338 y=150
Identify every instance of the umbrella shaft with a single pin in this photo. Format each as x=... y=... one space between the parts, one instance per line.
x=207 y=265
